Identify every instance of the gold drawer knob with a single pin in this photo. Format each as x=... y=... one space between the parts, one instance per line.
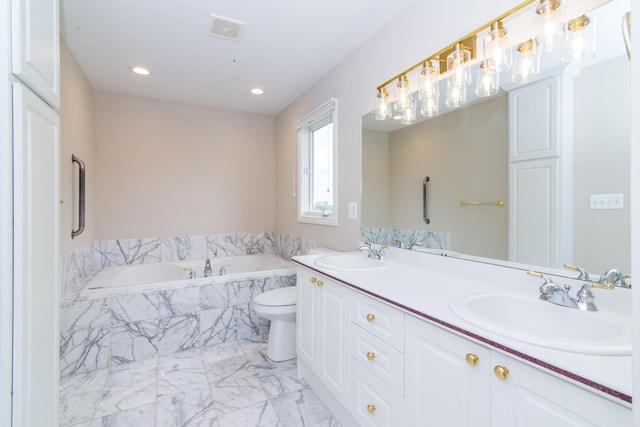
x=472 y=359
x=371 y=317
x=371 y=355
x=313 y=280
x=320 y=283
x=371 y=408
x=501 y=372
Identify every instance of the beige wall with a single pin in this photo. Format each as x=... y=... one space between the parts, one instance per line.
x=165 y=169
x=76 y=132
x=601 y=153
x=397 y=46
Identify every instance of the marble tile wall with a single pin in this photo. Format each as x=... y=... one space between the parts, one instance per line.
x=389 y=235
x=105 y=332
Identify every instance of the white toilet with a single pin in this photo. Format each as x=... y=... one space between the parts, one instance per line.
x=279 y=307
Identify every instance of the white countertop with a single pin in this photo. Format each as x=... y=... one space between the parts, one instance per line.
x=425 y=284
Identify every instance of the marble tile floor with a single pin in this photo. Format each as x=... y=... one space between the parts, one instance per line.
x=232 y=384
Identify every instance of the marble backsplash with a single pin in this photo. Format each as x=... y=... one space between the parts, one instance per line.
x=82 y=264
x=390 y=236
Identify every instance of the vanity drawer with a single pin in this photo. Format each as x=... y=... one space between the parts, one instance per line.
x=378 y=357
x=380 y=320
x=373 y=403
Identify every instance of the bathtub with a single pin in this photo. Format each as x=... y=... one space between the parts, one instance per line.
x=143 y=278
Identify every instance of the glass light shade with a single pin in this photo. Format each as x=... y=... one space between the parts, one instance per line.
x=382 y=110
x=527 y=62
x=488 y=81
x=577 y=41
x=496 y=47
x=459 y=77
x=429 y=76
x=402 y=94
x=409 y=113
x=548 y=22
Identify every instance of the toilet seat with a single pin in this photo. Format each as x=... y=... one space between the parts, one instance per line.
x=278 y=297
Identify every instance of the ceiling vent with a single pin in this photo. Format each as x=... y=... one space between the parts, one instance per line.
x=225 y=28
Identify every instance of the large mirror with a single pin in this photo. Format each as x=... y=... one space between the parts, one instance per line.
x=465 y=153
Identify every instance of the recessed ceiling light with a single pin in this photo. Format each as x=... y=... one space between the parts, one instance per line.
x=140 y=71
x=257 y=91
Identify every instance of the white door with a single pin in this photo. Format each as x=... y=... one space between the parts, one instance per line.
x=36 y=259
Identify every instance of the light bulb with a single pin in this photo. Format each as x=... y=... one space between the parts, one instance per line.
x=409 y=113
x=459 y=77
x=527 y=62
x=577 y=44
x=382 y=110
x=496 y=47
x=487 y=83
x=402 y=94
x=549 y=17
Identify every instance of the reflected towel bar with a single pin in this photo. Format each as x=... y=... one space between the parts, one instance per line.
x=496 y=203
x=81 y=200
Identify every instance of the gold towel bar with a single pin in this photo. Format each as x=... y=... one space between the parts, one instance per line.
x=496 y=203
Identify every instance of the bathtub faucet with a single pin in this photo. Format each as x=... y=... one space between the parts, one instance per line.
x=208 y=272
x=223 y=269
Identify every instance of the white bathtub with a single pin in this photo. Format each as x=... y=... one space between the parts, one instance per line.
x=140 y=278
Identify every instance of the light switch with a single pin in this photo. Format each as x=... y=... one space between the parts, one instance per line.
x=353 y=210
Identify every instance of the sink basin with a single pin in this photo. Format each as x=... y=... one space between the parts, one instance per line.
x=350 y=262
x=542 y=323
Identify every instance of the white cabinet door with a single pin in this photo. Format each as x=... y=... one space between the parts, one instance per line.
x=35 y=46
x=447 y=378
x=529 y=397
x=36 y=130
x=323 y=331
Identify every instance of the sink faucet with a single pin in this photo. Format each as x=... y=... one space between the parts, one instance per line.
x=582 y=273
x=555 y=294
x=374 y=253
x=614 y=277
x=207 y=268
x=414 y=245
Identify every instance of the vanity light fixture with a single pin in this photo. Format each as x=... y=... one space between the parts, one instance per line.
x=548 y=20
x=496 y=47
x=488 y=81
x=577 y=41
x=141 y=71
x=382 y=110
x=527 y=62
x=402 y=94
x=459 y=76
x=429 y=94
x=409 y=113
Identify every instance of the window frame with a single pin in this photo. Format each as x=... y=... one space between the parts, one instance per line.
x=321 y=116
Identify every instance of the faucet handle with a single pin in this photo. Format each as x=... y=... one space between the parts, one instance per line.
x=584 y=275
x=609 y=286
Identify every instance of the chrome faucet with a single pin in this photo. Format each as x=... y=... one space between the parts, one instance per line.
x=208 y=272
x=414 y=245
x=582 y=273
x=614 y=277
x=378 y=254
x=223 y=269
x=555 y=294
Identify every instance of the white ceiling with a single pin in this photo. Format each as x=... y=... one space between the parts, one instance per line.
x=287 y=46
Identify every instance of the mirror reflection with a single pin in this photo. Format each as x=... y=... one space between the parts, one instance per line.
x=567 y=207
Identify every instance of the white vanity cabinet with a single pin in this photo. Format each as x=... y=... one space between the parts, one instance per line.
x=377 y=363
x=323 y=331
x=452 y=381
x=447 y=378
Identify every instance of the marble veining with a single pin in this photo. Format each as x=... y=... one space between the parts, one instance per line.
x=231 y=384
x=390 y=236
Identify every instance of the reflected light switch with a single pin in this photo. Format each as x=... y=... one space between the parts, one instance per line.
x=606 y=201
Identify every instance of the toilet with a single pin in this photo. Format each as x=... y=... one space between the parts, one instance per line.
x=279 y=307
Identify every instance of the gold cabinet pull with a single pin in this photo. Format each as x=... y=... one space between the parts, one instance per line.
x=313 y=280
x=371 y=355
x=501 y=372
x=371 y=317
x=371 y=408
x=320 y=283
x=472 y=359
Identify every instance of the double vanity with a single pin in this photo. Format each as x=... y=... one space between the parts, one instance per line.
x=421 y=340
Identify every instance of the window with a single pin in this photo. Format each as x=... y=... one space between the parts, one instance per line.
x=316 y=173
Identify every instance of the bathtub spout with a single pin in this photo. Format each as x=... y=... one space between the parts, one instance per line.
x=208 y=272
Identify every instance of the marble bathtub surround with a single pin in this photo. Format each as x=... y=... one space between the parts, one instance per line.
x=81 y=265
x=389 y=235
x=231 y=384
x=105 y=332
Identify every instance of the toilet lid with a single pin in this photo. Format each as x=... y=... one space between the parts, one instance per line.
x=278 y=297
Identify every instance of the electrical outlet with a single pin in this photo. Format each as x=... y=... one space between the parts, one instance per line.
x=353 y=210
x=606 y=201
